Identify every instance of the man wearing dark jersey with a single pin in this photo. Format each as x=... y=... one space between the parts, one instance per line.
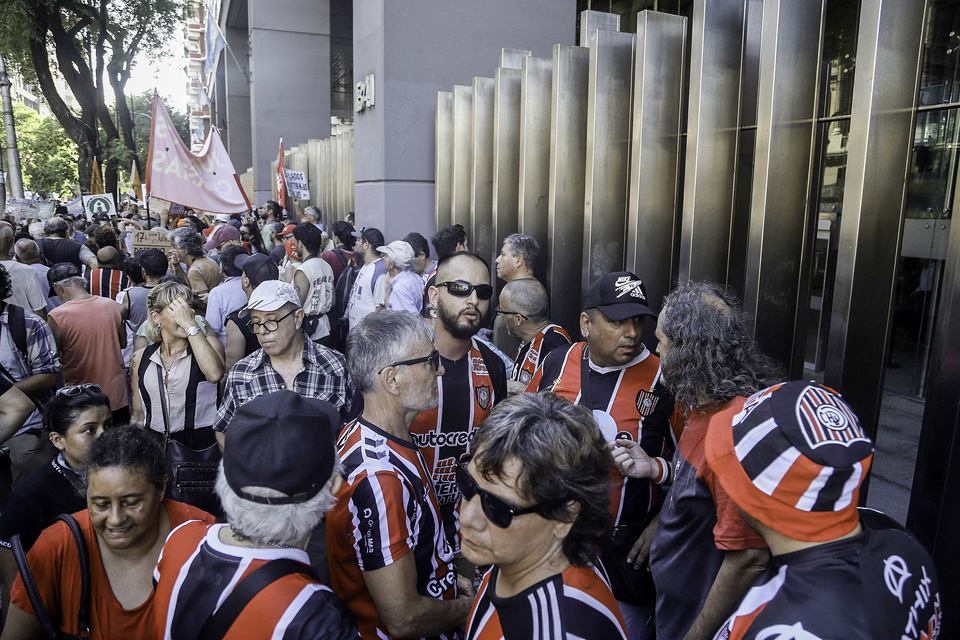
x=793 y=459
x=389 y=556
x=474 y=379
x=613 y=374
x=535 y=507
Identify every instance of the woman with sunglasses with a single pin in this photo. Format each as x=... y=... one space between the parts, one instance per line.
x=73 y=419
x=124 y=527
x=535 y=498
x=175 y=379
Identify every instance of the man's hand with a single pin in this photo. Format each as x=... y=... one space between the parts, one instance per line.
x=640 y=552
x=633 y=462
x=465 y=588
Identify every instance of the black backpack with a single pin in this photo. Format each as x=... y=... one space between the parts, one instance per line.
x=343 y=286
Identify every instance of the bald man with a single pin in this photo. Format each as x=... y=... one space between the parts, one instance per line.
x=109 y=278
x=523 y=308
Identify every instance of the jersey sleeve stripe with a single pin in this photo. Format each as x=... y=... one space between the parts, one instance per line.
x=280 y=630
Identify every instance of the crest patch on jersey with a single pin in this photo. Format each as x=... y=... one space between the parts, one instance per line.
x=646 y=402
x=825 y=420
x=483 y=396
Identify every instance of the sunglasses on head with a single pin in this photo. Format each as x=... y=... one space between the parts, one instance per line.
x=463 y=289
x=77 y=389
x=496 y=510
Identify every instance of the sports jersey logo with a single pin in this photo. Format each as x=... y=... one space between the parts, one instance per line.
x=434 y=439
x=553 y=385
x=625 y=285
x=895 y=574
x=438 y=586
x=793 y=631
x=646 y=402
x=483 y=396
x=525 y=376
x=479 y=367
x=824 y=419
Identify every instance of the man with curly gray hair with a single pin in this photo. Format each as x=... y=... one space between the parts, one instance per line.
x=703 y=556
x=535 y=507
x=277 y=480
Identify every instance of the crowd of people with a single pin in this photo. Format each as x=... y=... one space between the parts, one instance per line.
x=269 y=429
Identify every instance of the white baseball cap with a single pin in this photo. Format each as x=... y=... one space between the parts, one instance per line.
x=399 y=251
x=270 y=296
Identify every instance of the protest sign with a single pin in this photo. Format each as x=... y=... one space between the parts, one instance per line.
x=45 y=210
x=297 y=184
x=152 y=239
x=100 y=203
x=22 y=209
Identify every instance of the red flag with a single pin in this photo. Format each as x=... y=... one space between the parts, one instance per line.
x=281 y=179
x=205 y=181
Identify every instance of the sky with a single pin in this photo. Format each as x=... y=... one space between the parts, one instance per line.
x=166 y=75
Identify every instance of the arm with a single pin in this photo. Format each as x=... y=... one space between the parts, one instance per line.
x=121 y=330
x=15 y=408
x=125 y=306
x=21 y=625
x=739 y=571
x=302 y=285
x=88 y=258
x=8 y=573
x=55 y=330
x=236 y=346
x=406 y=613
x=640 y=552
x=209 y=357
x=136 y=410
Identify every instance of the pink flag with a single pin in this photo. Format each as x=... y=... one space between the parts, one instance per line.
x=205 y=181
x=281 y=178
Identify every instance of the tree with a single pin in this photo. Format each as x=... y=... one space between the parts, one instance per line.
x=89 y=43
x=49 y=157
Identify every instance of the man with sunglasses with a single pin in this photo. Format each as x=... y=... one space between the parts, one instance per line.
x=535 y=507
x=613 y=374
x=287 y=359
x=475 y=378
x=523 y=309
x=390 y=559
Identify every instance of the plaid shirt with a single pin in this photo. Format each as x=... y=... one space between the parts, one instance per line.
x=322 y=376
x=42 y=356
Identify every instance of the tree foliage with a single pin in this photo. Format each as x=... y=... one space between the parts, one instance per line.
x=90 y=44
x=48 y=157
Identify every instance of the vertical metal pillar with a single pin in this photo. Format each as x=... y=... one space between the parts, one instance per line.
x=878 y=155
x=535 y=88
x=563 y=253
x=513 y=58
x=608 y=153
x=481 y=240
x=443 y=163
x=506 y=153
x=590 y=21
x=715 y=65
x=462 y=155
x=786 y=117
x=653 y=215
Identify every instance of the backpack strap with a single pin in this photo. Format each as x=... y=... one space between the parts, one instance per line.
x=217 y=625
x=343 y=259
x=30 y=586
x=17 y=319
x=83 y=615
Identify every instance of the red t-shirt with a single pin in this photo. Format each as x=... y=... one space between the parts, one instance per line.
x=56 y=569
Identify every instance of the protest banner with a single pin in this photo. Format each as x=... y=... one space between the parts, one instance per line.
x=297 y=184
x=22 y=209
x=45 y=210
x=281 y=187
x=204 y=181
x=152 y=239
x=102 y=203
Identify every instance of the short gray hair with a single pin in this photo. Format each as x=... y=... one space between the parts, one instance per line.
x=528 y=297
x=55 y=227
x=186 y=239
x=523 y=245
x=26 y=249
x=384 y=337
x=274 y=523
x=314 y=211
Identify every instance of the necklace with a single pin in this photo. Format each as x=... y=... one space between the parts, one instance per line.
x=239 y=537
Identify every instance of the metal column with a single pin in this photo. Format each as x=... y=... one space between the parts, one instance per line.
x=443 y=164
x=653 y=216
x=608 y=153
x=715 y=64
x=878 y=153
x=481 y=239
x=563 y=253
x=506 y=152
x=462 y=155
x=786 y=116
x=535 y=88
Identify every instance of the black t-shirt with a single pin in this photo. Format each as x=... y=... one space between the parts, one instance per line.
x=57 y=250
x=35 y=504
x=879 y=585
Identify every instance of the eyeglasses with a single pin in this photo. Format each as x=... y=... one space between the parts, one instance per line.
x=463 y=289
x=268 y=325
x=76 y=389
x=433 y=358
x=496 y=510
x=501 y=312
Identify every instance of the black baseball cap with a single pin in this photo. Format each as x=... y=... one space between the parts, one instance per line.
x=258 y=268
x=371 y=235
x=59 y=272
x=618 y=296
x=281 y=441
x=153 y=261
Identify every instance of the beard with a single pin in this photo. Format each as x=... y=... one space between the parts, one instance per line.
x=456 y=326
x=422 y=399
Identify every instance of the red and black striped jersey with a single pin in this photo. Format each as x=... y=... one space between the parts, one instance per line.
x=107 y=283
x=385 y=509
x=197 y=572
x=878 y=585
x=574 y=604
x=531 y=354
x=632 y=402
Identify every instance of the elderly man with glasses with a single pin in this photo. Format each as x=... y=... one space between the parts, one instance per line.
x=389 y=556
x=285 y=360
x=475 y=378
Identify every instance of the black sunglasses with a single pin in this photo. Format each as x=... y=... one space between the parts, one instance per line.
x=433 y=358
x=77 y=389
x=501 y=312
x=496 y=510
x=463 y=289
